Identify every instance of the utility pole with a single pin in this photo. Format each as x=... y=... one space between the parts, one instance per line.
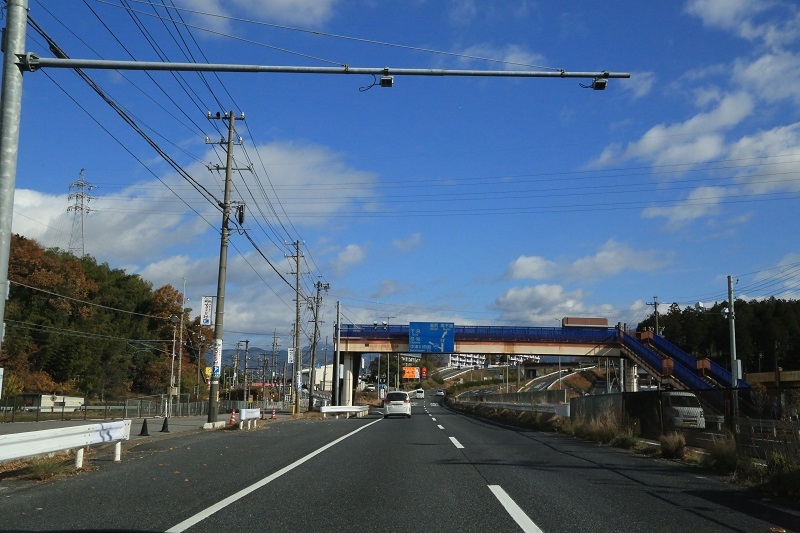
x=16 y=15
x=180 y=343
x=275 y=372
x=654 y=303
x=312 y=371
x=246 y=348
x=298 y=365
x=734 y=361
x=337 y=354
x=213 y=396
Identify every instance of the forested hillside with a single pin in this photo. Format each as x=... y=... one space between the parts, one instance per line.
x=767 y=333
x=77 y=327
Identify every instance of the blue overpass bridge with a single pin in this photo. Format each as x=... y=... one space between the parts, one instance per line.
x=661 y=359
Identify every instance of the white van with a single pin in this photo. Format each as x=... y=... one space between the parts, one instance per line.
x=419 y=394
x=682 y=410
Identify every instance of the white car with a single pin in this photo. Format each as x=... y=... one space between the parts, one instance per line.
x=397 y=403
x=439 y=392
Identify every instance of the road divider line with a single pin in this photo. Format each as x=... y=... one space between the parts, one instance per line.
x=514 y=510
x=440 y=426
x=455 y=442
x=202 y=515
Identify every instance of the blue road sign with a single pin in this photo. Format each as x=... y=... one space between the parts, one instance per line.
x=431 y=337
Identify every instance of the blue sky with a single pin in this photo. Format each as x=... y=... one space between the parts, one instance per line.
x=492 y=201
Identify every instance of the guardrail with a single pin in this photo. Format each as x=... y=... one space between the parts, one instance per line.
x=31 y=443
x=347 y=410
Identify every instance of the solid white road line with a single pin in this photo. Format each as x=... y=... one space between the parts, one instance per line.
x=514 y=510
x=199 y=517
x=455 y=442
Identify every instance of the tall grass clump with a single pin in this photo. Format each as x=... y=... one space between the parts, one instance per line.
x=722 y=456
x=673 y=445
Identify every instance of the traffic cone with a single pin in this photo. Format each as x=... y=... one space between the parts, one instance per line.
x=165 y=427
x=144 y=432
x=233 y=418
x=273 y=417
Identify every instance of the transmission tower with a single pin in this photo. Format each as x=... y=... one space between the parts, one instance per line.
x=80 y=209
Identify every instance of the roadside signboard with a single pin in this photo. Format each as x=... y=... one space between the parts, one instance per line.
x=410 y=372
x=431 y=337
x=207 y=306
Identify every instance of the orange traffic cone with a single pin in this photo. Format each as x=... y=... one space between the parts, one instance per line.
x=233 y=417
x=273 y=417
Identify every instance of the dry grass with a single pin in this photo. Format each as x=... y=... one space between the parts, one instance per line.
x=42 y=468
x=673 y=445
x=722 y=456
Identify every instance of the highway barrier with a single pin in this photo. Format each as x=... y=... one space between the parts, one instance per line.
x=31 y=443
x=347 y=410
x=249 y=416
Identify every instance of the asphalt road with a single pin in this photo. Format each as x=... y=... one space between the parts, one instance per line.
x=437 y=471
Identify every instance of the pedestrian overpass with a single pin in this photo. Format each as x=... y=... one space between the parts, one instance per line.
x=661 y=359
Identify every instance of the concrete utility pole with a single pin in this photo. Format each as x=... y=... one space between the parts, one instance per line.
x=654 y=303
x=246 y=349
x=337 y=354
x=275 y=372
x=734 y=399
x=213 y=396
x=297 y=354
x=180 y=343
x=312 y=371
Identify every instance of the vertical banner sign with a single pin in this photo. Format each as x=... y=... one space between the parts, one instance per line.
x=290 y=355
x=207 y=305
x=215 y=368
x=1 y=382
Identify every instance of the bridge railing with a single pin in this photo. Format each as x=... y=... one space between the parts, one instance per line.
x=685 y=375
x=716 y=371
x=491 y=333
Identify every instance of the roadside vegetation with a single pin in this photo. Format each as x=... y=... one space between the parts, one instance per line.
x=43 y=468
x=777 y=474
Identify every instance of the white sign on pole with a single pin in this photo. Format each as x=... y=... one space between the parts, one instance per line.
x=207 y=309
x=290 y=355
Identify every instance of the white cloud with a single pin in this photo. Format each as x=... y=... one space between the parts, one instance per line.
x=701 y=202
x=544 y=304
x=773 y=77
x=514 y=55
x=640 y=83
x=778 y=149
x=740 y=17
x=389 y=287
x=694 y=140
x=305 y=12
x=406 y=245
x=612 y=259
x=527 y=267
x=351 y=256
